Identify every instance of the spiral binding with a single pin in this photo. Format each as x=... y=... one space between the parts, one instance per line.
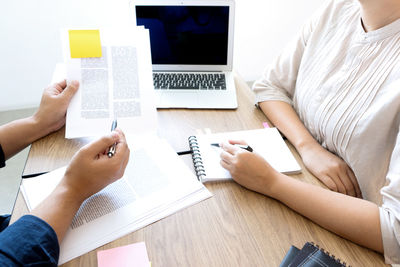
x=196 y=156
x=330 y=255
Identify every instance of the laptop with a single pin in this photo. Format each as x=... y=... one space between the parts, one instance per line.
x=192 y=49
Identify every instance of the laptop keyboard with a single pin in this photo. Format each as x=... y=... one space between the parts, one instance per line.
x=191 y=81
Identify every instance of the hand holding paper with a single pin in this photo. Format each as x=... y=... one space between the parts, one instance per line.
x=54 y=104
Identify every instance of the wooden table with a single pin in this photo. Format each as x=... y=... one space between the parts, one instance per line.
x=236 y=227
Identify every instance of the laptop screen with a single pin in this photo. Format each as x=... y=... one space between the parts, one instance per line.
x=186 y=35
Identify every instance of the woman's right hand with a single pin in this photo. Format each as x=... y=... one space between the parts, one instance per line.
x=330 y=170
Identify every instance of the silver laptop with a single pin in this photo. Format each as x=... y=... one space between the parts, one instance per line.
x=192 y=50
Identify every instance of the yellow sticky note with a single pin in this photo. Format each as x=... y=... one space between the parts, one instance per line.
x=84 y=43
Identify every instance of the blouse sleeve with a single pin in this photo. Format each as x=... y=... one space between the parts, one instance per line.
x=278 y=81
x=389 y=212
x=29 y=241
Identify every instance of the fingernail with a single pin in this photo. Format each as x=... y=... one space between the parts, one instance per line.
x=115 y=134
x=75 y=83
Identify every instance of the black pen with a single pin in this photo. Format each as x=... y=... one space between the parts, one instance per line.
x=248 y=148
x=111 y=150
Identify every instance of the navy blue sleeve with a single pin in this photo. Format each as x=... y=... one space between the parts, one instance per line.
x=2 y=158
x=4 y=221
x=30 y=241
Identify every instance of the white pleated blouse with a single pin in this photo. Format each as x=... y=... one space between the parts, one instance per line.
x=345 y=86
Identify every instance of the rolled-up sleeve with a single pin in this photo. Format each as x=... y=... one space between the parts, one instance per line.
x=278 y=81
x=29 y=241
x=389 y=212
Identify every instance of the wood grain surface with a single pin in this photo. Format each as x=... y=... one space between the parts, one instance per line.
x=236 y=227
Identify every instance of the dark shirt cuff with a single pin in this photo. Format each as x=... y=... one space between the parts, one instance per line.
x=2 y=158
x=30 y=241
x=4 y=221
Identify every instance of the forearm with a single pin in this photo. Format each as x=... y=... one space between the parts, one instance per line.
x=285 y=118
x=89 y=172
x=58 y=210
x=18 y=134
x=352 y=218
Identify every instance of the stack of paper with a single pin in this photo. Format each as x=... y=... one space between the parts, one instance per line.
x=113 y=66
x=156 y=184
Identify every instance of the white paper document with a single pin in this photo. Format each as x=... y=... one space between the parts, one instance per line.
x=119 y=85
x=156 y=184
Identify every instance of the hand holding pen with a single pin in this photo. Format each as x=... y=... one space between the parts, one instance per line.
x=245 y=147
x=111 y=150
x=90 y=169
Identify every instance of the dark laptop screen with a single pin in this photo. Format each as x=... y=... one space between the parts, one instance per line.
x=186 y=35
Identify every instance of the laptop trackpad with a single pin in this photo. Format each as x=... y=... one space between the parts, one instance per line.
x=178 y=99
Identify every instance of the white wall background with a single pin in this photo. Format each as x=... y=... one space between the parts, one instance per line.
x=30 y=44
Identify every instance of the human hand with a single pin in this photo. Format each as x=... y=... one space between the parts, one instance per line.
x=330 y=170
x=248 y=169
x=91 y=169
x=53 y=106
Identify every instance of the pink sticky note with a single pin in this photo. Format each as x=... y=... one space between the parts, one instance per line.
x=265 y=124
x=130 y=255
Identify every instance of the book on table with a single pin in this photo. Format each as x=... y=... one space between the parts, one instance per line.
x=156 y=184
x=311 y=255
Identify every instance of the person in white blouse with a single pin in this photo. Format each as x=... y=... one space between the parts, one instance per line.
x=335 y=94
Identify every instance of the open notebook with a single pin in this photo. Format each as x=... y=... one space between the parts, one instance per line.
x=266 y=142
x=156 y=184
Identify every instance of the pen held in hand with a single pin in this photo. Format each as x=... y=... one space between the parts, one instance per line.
x=248 y=148
x=111 y=150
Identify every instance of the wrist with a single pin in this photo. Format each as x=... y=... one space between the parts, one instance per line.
x=40 y=125
x=306 y=145
x=33 y=128
x=69 y=195
x=71 y=190
x=275 y=188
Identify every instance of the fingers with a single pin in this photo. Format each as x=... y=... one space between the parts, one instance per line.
x=70 y=90
x=342 y=183
x=334 y=183
x=346 y=181
x=62 y=84
x=355 y=183
x=225 y=165
x=226 y=157
x=122 y=150
x=229 y=148
x=239 y=142
x=97 y=147
x=341 y=188
x=59 y=86
x=328 y=181
x=125 y=163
